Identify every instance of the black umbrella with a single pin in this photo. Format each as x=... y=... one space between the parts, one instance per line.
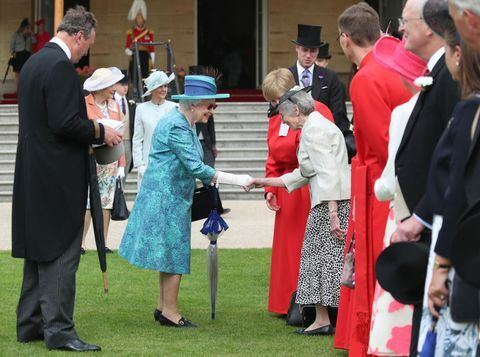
x=97 y=216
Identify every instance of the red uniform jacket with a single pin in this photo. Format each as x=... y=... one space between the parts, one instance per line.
x=139 y=35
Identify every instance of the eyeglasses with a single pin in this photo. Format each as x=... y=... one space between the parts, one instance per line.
x=212 y=107
x=338 y=37
x=403 y=22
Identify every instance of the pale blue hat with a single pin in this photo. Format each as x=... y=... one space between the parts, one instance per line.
x=200 y=87
x=157 y=79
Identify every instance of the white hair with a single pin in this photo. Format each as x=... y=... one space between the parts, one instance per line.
x=472 y=5
x=302 y=100
x=186 y=104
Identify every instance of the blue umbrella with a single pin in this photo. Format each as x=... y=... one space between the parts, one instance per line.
x=428 y=349
x=212 y=228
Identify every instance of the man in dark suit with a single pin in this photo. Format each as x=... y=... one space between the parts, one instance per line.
x=50 y=185
x=425 y=126
x=206 y=134
x=327 y=88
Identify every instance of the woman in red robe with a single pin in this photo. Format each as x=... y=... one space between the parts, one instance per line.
x=291 y=209
x=374 y=92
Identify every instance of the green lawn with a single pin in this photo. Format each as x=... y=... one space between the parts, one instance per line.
x=121 y=322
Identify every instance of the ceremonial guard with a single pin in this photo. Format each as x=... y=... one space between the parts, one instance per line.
x=140 y=33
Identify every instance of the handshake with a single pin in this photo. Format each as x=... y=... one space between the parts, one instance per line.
x=246 y=181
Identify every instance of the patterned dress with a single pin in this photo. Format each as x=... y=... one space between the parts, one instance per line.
x=157 y=235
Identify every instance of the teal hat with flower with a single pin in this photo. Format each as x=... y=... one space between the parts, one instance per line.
x=200 y=87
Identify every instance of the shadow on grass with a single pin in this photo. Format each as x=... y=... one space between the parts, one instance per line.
x=122 y=320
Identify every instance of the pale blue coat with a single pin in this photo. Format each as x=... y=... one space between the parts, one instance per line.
x=157 y=235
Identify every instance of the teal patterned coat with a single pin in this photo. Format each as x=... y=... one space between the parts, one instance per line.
x=157 y=235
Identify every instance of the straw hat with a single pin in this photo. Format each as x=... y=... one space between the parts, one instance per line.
x=102 y=78
x=157 y=79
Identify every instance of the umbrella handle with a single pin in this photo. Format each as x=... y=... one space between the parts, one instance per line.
x=105 y=283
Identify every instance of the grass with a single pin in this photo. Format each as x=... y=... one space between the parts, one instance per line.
x=122 y=320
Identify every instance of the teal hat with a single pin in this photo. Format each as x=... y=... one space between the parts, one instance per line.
x=200 y=87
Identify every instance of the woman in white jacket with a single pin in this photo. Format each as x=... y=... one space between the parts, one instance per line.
x=147 y=116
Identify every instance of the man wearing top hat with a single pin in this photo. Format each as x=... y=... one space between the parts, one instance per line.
x=327 y=88
x=324 y=56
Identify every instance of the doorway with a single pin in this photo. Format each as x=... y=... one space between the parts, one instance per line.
x=227 y=34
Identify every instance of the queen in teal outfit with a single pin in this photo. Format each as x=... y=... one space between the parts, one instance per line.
x=157 y=235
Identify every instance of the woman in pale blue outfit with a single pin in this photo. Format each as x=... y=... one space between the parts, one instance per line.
x=157 y=235
x=147 y=116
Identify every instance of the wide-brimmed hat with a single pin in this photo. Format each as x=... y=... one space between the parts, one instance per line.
x=102 y=78
x=466 y=246
x=157 y=79
x=401 y=270
x=105 y=155
x=323 y=52
x=308 y=36
x=436 y=16
x=200 y=87
x=390 y=52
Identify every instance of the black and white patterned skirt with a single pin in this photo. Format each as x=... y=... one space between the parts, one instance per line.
x=322 y=257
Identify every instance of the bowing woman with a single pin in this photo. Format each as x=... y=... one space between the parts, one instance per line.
x=158 y=232
x=323 y=164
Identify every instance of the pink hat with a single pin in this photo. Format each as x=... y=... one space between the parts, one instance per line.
x=390 y=52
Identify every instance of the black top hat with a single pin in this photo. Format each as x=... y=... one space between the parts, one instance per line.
x=466 y=245
x=308 y=36
x=124 y=80
x=324 y=51
x=401 y=270
x=436 y=16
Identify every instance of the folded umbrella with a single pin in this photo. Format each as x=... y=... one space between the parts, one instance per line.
x=212 y=228
x=97 y=216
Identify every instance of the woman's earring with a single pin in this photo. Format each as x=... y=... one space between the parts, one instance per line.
x=457 y=63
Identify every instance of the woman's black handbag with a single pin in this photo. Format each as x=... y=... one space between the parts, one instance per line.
x=119 y=210
x=204 y=202
x=299 y=316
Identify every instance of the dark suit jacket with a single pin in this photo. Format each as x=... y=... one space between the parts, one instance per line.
x=472 y=170
x=426 y=124
x=455 y=143
x=51 y=172
x=328 y=89
x=208 y=131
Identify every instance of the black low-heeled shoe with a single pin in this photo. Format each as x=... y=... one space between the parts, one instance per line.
x=183 y=322
x=326 y=330
x=157 y=314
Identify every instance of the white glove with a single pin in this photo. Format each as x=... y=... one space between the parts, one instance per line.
x=231 y=179
x=152 y=56
x=121 y=172
x=128 y=52
x=141 y=170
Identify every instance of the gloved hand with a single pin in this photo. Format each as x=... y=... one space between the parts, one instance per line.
x=128 y=52
x=231 y=179
x=141 y=170
x=121 y=172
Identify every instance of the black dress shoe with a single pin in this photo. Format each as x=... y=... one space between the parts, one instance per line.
x=78 y=346
x=108 y=250
x=326 y=330
x=82 y=251
x=183 y=322
x=157 y=314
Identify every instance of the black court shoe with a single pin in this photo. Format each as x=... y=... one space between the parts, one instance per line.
x=182 y=323
x=157 y=315
x=326 y=330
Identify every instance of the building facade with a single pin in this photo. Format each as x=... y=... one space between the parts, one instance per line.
x=245 y=39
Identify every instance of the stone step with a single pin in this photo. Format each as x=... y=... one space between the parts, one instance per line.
x=257 y=171
x=9 y=117
x=240 y=116
x=6 y=175
x=7 y=165
x=248 y=142
x=7 y=136
x=240 y=133
x=242 y=124
x=8 y=154
x=242 y=152
x=9 y=126
x=9 y=108
x=8 y=145
x=234 y=162
x=250 y=106
x=6 y=186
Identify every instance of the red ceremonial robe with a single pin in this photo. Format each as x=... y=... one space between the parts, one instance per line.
x=374 y=92
x=291 y=219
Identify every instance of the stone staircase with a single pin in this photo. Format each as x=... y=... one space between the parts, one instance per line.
x=241 y=130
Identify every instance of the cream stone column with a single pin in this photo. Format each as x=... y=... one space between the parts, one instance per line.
x=58 y=14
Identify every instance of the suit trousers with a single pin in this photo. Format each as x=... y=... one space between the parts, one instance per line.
x=47 y=298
